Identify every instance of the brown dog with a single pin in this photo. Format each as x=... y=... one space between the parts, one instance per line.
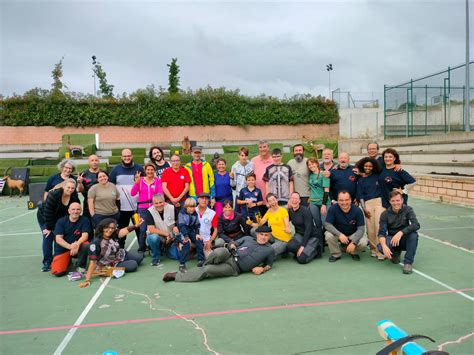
x=14 y=184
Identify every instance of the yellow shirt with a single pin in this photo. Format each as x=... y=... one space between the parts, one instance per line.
x=276 y=220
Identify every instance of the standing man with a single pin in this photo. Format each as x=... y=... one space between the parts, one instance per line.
x=161 y=226
x=398 y=231
x=328 y=162
x=243 y=255
x=345 y=227
x=279 y=178
x=373 y=152
x=208 y=219
x=202 y=175
x=300 y=173
x=86 y=180
x=343 y=178
x=123 y=176
x=260 y=164
x=72 y=234
x=175 y=182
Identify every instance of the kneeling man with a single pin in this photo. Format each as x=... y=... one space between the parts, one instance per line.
x=72 y=234
x=397 y=232
x=243 y=255
x=345 y=227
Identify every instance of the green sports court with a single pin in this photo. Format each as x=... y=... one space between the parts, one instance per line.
x=319 y=308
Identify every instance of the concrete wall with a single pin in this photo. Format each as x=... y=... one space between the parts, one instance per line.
x=451 y=189
x=21 y=136
x=361 y=123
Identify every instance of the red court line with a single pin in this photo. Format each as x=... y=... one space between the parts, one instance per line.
x=233 y=311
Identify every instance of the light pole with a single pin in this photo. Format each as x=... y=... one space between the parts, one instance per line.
x=93 y=75
x=329 y=69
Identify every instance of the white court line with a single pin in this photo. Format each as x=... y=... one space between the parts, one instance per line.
x=470 y=298
x=21 y=215
x=8 y=208
x=84 y=313
x=447 y=228
x=446 y=243
x=19 y=256
x=26 y=233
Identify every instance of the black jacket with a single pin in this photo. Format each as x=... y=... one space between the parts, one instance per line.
x=52 y=209
x=231 y=229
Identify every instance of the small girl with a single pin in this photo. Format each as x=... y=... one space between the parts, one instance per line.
x=188 y=225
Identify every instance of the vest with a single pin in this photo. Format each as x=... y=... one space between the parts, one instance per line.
x=168 y=223
x=206 y=223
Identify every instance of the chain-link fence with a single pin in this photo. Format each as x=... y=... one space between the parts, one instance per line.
x=351 y=99
x=430 y=105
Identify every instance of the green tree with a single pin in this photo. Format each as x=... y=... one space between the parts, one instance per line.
x=106 y=90
x=173 y=78
x=57 y=85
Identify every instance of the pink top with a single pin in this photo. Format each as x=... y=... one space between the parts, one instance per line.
x=146 y=192
x=259 y=167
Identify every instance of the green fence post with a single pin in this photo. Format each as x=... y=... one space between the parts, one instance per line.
x=426 y=110
x=385 y=111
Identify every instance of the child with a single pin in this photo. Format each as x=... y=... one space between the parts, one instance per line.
x=250 y=198
x=188 y=225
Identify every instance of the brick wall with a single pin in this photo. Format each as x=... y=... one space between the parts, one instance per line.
x=165 y=135
x=452 y=189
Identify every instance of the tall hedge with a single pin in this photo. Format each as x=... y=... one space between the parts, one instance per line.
x=202 y=107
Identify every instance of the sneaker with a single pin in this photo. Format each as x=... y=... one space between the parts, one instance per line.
x=81 y=269
x=355 y=257
x=373 y=253
x=182 y=268
x=155 y=263
x=200 y=264
x=46 y=267
x=169 y=276
x=407 y=269
x=333 y=259
x=380 y=257
x=395 y=259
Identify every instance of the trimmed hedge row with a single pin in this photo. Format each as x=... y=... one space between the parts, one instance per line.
x=203 y=107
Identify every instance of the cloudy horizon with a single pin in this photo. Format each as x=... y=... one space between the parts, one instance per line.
x=272 y=47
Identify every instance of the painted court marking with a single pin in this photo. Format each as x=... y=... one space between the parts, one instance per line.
x=228 y=312
x=445 y=243
x=78 y=322
x=26 y=233
x=20 y=215
x=19 y=256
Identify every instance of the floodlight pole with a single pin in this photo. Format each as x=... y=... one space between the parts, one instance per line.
x=467 y=101
x=93 y=75
x=329 y=69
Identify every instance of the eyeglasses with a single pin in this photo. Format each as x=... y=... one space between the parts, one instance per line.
x=175 y=161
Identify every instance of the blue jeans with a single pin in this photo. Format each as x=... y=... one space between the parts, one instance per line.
x=316 y=213
x=408 y=242
x=184 y=254
x=154 y=242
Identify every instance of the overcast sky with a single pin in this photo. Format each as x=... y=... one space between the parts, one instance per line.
x=271 y=47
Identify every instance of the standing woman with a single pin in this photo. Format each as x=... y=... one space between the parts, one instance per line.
x=222 y=184
x=102 y=199
x=66 y=168
x=239 y=172
x=391 y=179
x=369 y=197
x=157 y=158
x=146 y=187
x=105 y=249
x=319 y=192
x=56 y=206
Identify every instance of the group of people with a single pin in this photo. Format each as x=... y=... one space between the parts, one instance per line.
x=231 y=222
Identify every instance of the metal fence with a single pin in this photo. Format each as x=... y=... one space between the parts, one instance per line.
x=430 y=105
x=351 y=99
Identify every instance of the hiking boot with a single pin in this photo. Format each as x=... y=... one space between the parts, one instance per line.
x=407 y=269
x=155 y=263
x=200 y=264
x=355 y=257
x=182 y=268
x=46 y=267
x=395 y=259
x=169 y=276
x=333 y=259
